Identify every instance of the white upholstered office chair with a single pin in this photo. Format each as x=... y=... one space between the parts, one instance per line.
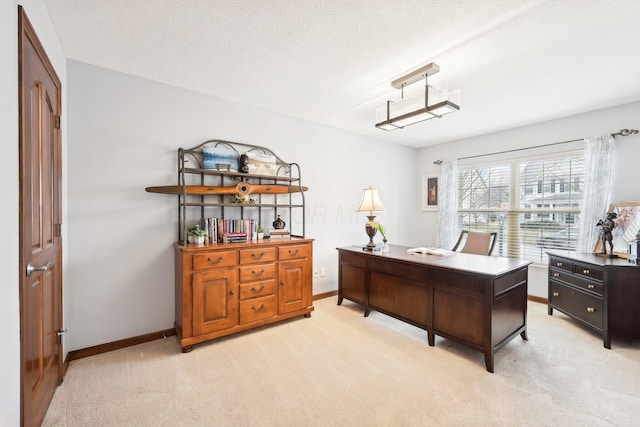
x=476 y=242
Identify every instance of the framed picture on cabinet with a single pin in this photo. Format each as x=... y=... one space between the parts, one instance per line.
x=627 y=225
x=429 y=192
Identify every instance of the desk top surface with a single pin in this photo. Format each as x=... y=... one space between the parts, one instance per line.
x=477 y=264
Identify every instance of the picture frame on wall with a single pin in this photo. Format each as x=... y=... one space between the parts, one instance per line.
x=627 y=225
x=429 y=192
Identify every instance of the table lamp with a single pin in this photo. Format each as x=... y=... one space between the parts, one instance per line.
x=370 y=203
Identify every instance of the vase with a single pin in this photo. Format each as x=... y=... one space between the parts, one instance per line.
x=260 y=236
x=199 y=240
x=279 y=224
x=385 y=245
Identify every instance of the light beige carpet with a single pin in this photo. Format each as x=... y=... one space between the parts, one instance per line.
x=339 y=368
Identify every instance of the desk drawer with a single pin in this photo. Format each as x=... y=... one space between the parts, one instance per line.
x=577 y=303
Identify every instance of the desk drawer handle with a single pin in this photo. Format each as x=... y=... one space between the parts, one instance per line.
x=585 y=271
x=556 y=294
x=559 y=264
x=257 y=256
x=257 y=310
x=590 y=286
x=591 y=310
x=214 y=262
x=556 y=274
x=294 y=253
x=257 y=290
x=256 y=273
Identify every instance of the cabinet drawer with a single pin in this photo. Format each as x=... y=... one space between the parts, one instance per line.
x=257 y=272
x=258 y=308
x=252 y=256
x=214 y=259
x=587 y=270
x=589 y=285
x=258 y=289
x=293 y=252
x=577 y=303
x=561 y=263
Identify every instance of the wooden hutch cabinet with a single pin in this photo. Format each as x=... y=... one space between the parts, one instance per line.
x=225 y=288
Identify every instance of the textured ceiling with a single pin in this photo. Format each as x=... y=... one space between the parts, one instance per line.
x=516 y=62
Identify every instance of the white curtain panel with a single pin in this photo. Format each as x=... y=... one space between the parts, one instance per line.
x=448 y=205
x=598 y=179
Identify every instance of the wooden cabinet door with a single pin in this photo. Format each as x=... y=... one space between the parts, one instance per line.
x=215 y=300
x=294 y=289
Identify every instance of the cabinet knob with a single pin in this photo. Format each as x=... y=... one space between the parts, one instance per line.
x=214 y=262
x=282 y=283
x=590 y=286
x=556 y=274
x=585 y=271
x=591 y=310
x=231 y=293
x=556 y=294
x=257 y=256
x=559 y=264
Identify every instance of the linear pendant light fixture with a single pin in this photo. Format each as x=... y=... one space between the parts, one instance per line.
x=436 y=102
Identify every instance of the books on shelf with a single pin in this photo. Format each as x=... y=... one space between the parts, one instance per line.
x=430 y=251
x=237 y=237
x=230 y=230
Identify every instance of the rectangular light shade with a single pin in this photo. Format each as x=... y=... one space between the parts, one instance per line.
x=370 y=201
x=396 y=115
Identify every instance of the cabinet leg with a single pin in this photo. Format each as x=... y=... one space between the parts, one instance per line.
x=366 y=312
x=340 y=298
x=187 y=349
x=550 y=311
x=523 y=334
x=488 y=360
x=607 y=341
x=431 y=337
x=307 y=315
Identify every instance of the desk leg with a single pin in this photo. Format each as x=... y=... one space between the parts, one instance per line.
x=340 y=298
x=431 y=337
x=488 y=360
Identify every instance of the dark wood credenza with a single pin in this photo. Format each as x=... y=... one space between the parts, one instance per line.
x=599 y=292
x=475 y=300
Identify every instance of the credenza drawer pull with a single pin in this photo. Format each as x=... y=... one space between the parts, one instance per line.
x=590 y=286
x=559 y=264
x=591 y=310
x=556 y=274
x=214 y=262
x=255 y=273
x=257 y=290
x=257 y=256
x=294 y=253
x=585 y=271
x=257 y=310
x=556 y=294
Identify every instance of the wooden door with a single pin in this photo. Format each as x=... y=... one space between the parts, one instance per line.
x=215 y=300
x=294 y=292
x=40 y=214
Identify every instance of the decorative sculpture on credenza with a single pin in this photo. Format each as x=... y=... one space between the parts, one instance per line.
x=606 y=227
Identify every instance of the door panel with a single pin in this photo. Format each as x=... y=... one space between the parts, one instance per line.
x=40 y=240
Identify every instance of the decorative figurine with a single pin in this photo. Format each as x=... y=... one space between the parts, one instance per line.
x=605 y=233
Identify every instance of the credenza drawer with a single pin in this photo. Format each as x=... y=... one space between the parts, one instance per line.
x=258 y=309
x=214 y=259
x=294 y=252
x=561 y=263
x=589 y=285
x=587 y=270
x=252 y=256
x=257 y=289
x=577 y=303
x=257 y=272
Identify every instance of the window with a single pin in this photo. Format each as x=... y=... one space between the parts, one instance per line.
x=526 y=201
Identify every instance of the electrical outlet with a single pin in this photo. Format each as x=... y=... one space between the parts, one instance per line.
x=323 y=271
x=316 y=273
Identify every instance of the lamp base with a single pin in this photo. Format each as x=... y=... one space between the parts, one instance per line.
x=371 y=229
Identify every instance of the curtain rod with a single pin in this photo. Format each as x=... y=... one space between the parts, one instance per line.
x=622 y=132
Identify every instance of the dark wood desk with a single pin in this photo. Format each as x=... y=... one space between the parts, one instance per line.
x=475 y=300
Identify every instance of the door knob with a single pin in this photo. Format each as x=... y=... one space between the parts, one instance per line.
x=31 y=268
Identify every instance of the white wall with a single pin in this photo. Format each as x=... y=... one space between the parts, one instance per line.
x=124 y=135
x=610 y=120
x=9 y=291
